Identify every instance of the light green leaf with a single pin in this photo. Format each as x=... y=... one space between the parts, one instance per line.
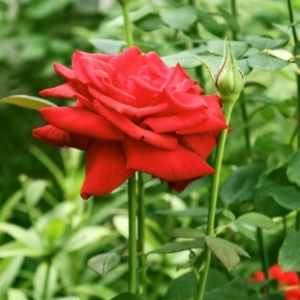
x=293 y=168
x=238 y=48
x=262 y=43
x=187 y=233
x=179 y=246
x=9 y=275
x=34 y=191
x=228 y=214
x=27 y=102
x=12 y=249
x=96 y=290
x=108 y=46
x=127 y=296
x=54 y=230
x=245 y=231
x=15 y=294
x=289 y=258
x=266 y=62
x=104 y=263
x=196 y=212
x=210 y=24
x=287 y=197
x=8 y=206
x=84 y=237
x=179 y=17
x=256 y=219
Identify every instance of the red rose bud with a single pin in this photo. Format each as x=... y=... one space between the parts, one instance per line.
x=230 y=79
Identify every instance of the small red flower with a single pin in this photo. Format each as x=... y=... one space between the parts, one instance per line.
x=288 y=281
x=132 y=113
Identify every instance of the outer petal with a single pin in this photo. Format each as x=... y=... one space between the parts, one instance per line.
x=57 y=137
x=64 y=72
x=169 y=165
x=105 y=168
x=66 y=90
x=179 y=186
x=163 y=141
x=81 y=121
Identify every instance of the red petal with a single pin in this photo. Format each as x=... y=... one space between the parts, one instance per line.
x=163 y=141
x=64 y=72
x=169 y=165
x=65 y=90
x=105 y=168
x=81 y=121
x=158 y=62
x=57 y=137
x=179 y=186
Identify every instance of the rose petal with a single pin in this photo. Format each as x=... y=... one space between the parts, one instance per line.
x=85 y=102
x=179 y=186
x=64 y=72
x=57 y=137
x=169 y=165
x=65 y=90
x=126 y=109
x=105 y=168
x=128 y=127
x=158 y=62
x=81 y=121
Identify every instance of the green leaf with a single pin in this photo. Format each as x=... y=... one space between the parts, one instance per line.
x=9 y=275
x=266 y=62
x=15 y=294
x=8 y=206
x=256 y=219
x=229 y=215
x=12 y=249
x=34 y=191
x=289 y=258
x=27 y=102
x=108 y=46
x=217 y=47
x=179 y=17
x=68 y=298
x=96 y=290
x=84 y=237
x=127 y=296
x=183 y=287
x=230 y=19
x=245 y=231
x=228 y=253
x=179 y=246
x=149 y=22
x=239 y=184
x=287 y=197
x=187 y=233
x=104 y=263
x=210 y=24
x=293 y=168
x=196 y=212
x=54 y=230
x=262 y=43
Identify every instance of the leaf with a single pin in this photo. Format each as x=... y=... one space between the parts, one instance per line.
x=12 y=249
x=262 y=43
x=239 y=184
x=179 y=17
x=293 y=168
x=289 y=258
x=266 y=62
x=230 y=19
x=287 y=197
x=183 y=287
x=27 y=102
x=127 y=296
x=217 y=47
x=229 y=215
x=8 y=206
x=225 y=251
x=245 y=231
x=210 y=24
x=256 y=219
x=108 y=46
x=96 y=290
x=9 y=275
x=179 y=246
x=54 y=230
x=197 y=212
x=34 y=191
x=84 y=237
x=149 y=22
x=15 y=294
x=187 y=233
x=104 y=263
x=280 y=53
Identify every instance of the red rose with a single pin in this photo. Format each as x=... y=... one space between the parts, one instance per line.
x=288 y=281
x=133 y=113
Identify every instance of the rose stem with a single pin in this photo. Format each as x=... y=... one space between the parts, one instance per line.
x=291 y=16
x=132 y=249
x=213 y=203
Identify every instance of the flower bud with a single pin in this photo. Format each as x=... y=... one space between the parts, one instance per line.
x=230 y=79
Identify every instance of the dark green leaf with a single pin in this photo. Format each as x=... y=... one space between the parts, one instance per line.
x=149 y=22
x=127 y=296
x=230 y=19
x=256 y=219
x=239 y=184
x=197 y=212
x=27 y=102
x=289 y=258
x=179 y=17
x=108 y=46
x=104 y=263
x=187 y=233
x=262 y=43
x=287 y=197
x=179 y=246
x=293 y=170
x=245 y=231
x=266 y=62
x=210 y=24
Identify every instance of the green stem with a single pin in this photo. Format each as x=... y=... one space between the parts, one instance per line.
x=263 y=252
x=234 y=13
x=213 y=203
x=45 y=287
x=127 y=22
x=141 y=231
x=291 y=15
x=132 y=282
x=246 y=129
